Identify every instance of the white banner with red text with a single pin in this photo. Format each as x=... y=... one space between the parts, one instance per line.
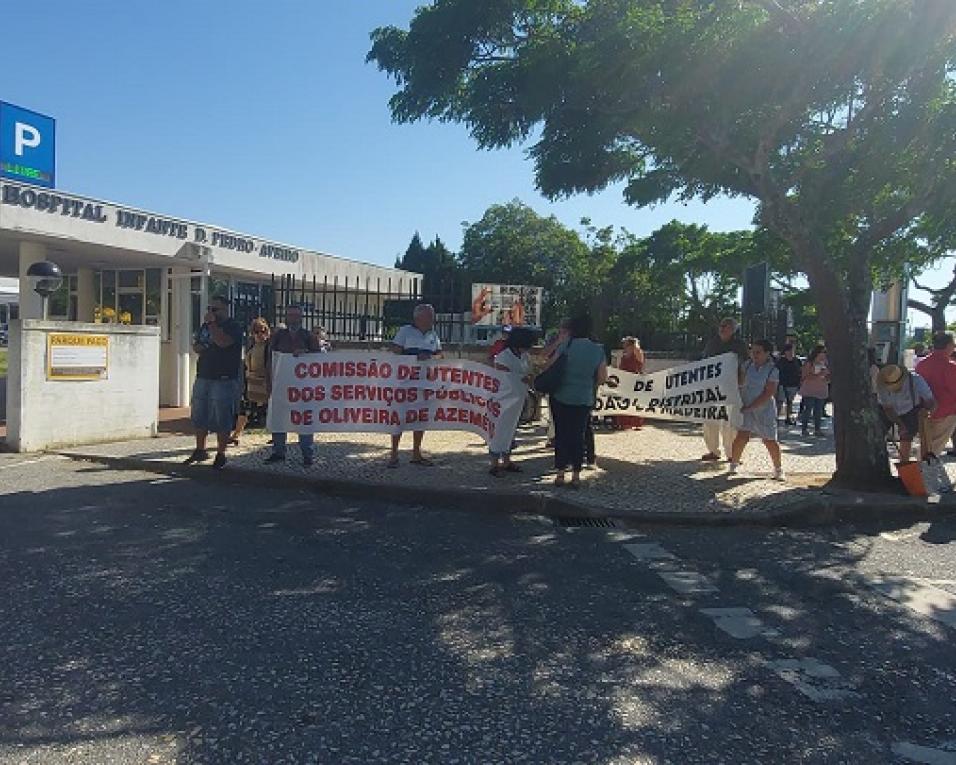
x=703 y=391
x=344 y=392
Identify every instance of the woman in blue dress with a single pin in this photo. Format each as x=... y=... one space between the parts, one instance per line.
x=758 y=392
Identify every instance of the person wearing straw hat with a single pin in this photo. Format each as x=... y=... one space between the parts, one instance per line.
x=906 y=401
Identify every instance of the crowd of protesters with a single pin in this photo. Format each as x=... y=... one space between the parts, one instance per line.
x=233 y=385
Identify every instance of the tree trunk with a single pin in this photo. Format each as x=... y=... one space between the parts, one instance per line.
x=843 y=306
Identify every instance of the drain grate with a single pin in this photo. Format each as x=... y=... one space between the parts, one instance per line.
x=569 y=522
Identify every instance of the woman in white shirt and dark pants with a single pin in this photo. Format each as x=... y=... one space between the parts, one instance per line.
x=516 y=360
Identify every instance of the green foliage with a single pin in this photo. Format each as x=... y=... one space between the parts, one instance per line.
x=441 y=273
x=512 y=244
x=836 y=117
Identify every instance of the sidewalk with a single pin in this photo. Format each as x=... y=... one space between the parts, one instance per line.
x=650 y=475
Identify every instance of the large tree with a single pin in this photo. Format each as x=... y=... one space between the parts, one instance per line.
x=443 y=283
x=512 y=244
x=837 y=117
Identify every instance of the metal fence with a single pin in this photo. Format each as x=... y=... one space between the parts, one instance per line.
x=371 y=310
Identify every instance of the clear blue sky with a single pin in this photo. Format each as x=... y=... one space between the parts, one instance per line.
x=265 y=118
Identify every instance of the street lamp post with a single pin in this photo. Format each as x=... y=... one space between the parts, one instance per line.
x=46 y=278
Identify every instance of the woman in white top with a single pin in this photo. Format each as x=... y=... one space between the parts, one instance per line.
x=516 y=360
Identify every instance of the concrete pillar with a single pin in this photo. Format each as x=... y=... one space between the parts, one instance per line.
x=181 y=335
x=86 y=297
x=31 y=304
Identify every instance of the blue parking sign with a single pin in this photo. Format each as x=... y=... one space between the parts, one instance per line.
x=27 y=146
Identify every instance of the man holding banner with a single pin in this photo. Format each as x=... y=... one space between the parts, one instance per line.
x=417 y=339
x=715 y=432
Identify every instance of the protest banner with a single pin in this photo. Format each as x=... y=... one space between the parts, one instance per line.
x=703 y=391
x=387 y=393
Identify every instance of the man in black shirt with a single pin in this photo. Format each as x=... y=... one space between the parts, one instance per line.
x=216 y=391
x=790 y=369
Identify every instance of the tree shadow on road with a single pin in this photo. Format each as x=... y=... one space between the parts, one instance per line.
x=200 y=623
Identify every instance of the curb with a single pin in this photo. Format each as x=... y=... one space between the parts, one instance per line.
x=822 y=510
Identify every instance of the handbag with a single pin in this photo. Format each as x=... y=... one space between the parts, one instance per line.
x=550 y=379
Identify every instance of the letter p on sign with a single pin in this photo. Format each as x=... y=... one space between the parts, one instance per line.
x=24 y=137
x=27 y=146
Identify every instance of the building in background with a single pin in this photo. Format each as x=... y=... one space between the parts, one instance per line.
x=131 y=266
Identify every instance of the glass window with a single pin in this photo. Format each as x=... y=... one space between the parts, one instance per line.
x=130 y=308
x=109 y=291
x=154 y=295
x=58 y=306
x=197 y=318
x=131 y=279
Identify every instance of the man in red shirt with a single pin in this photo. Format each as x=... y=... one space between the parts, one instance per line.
x=939 y=370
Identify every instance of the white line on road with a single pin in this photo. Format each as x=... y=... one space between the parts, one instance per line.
x=649 y=551
x=918 y=596
x=924 y=754
x=739 y=623
x=817 y=681
x=33 y=462
x=687 y=582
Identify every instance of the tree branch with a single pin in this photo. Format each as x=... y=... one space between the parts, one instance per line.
x=919 y=305
x=777 y=11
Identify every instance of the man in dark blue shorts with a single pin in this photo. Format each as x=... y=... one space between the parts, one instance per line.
x=215 y=398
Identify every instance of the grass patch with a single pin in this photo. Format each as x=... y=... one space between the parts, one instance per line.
x=3 y=362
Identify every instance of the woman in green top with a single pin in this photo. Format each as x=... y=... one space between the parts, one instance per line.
x=572 y=402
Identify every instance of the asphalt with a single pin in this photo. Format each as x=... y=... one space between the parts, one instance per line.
x=155 y=619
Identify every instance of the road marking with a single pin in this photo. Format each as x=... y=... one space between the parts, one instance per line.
x=900 y=535
x=649 y=551
x=687 y=582
x=918 y=596
x=925 y=754
x=33 y=462
x=817 y=681
x=739 y=623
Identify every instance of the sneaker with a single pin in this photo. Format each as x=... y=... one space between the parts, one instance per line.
x=734 y=467
x=779 y=475
x=198 y=455
x=220 y=462
x=273 y=458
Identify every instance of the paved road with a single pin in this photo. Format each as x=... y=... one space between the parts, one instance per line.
x=153 y=620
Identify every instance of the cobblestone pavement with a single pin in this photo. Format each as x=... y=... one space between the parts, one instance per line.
x=656 y=469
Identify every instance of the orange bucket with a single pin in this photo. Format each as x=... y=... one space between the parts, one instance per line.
x=912 y=477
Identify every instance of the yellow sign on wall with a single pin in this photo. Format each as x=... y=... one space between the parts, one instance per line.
x=76 y=356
